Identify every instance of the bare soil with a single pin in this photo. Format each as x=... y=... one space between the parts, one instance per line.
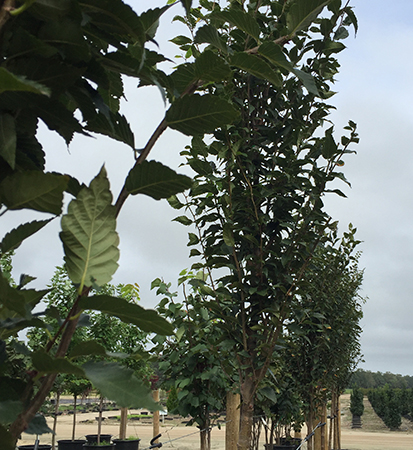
x=374 y=435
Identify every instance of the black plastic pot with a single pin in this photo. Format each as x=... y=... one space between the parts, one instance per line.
x=94 y=446
x=93 y=438
x=31 y=447
x=280 y=447
x=127 y=444
x=70 y=445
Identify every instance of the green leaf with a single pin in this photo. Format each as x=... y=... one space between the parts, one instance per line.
x=14 y=238
x=302 y=13
x=118 y=383
x=156 y=180
x=146 y=319
x=8 y=139
x=210 y=67
x=187 y=4
x=183 y=219
x=34 y=190
x=150 y=20
x=87 y=348
x=228 y=235
x=38 y=425
x=257 y=67
x=9 y=410
x=242 y=20
x=193 y=239
x=45 y=363
x=273 y=52
x=12 y=299
x=11 y=82
x=196 y=114
x=89 y=235
x=329 y=148
x=308 y=81
x=209 y=35
x=7 y=440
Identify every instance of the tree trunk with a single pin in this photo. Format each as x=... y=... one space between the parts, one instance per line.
x=74 y=417
x=100 y=419
x=205 y=438
x=332 y=416
x=56 y=410
x=123 y=423
x=247 y=412
x=155 y=417
x=232 y=425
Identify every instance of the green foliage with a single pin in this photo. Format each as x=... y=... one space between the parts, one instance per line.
x=387 y=403
x=356 y=402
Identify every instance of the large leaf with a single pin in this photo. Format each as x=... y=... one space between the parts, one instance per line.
x=273 y=52
x=118 y=383
x=90 y=348
x=209 y=35
x=9 y=410
x=15 y=237
x=196 y=114
x=210 y=67
x=8 y=139
x=11 y=82
x=308 y=81
x=242 y=20
x=89 y=235
x=11 y=299
x=302 y=13
x=156 y=180
x=146 y=319
x=34 y=190
x=257 y=67
x=38 y=425
x=45 y=363
x=7 y=440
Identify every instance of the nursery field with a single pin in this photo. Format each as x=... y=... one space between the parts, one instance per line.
x=373 y=436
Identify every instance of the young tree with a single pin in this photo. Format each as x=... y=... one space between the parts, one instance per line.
x=258 y=196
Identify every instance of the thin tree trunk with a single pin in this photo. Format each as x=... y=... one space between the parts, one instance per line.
x=232 y=425
x=56 y=410
x=332 y=415
x=338 y=423
x=100 y=419
x=74 y=417
x=205 y=438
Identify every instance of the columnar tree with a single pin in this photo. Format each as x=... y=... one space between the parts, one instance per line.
x=258 y=198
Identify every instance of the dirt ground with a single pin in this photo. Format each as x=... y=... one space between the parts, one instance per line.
x=373 y=436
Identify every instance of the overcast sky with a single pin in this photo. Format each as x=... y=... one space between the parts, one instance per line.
x=374 y=90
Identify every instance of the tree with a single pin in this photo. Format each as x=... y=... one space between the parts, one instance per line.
x=189 y=361
x=356 y=402
x=257 y=199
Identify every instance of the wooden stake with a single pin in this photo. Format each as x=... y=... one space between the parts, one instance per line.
x=232 y=425
x=155 y=395
x=123 y=423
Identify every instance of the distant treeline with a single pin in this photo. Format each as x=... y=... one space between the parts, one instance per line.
x=370 y=380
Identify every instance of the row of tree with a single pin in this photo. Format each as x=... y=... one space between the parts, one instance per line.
x=369 y=380
x=271 y=274
x=391 y=404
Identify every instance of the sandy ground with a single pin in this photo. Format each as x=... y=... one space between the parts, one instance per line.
x=371 y=437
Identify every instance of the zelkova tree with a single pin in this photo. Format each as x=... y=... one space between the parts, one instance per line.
x=257 y=202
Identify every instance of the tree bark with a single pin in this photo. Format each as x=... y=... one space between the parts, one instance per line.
x=247 y=412
x=155 y=419
x=233 y=418
x=74 y=417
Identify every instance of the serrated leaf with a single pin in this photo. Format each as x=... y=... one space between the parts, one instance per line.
x=154 y=179
x=329 y=147
x=11 y=82
x=150 y=20
x=174 y=202
x=242 y=20
x=45 y=363
x=8 y=139
x=210 y=67
x=197 y=115
x=146 y=319
x=273 y=52
x=209 y=35
x=15 y=237
x=118 y=383
x=12 y=299
x=302 y=13
x=89 y=235
x=187 y=4
x=257 y=67
x=34 y=190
